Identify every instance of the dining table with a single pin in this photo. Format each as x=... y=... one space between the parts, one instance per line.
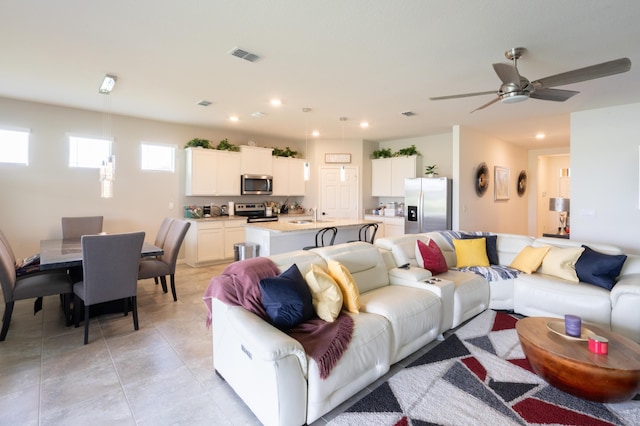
x=67 y=253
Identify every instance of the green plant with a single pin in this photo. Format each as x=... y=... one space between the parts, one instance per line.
x=286 y=152
x=204 y=143
x=224 y=145
x=407 y=151
x=430 y=170
x=382 y=153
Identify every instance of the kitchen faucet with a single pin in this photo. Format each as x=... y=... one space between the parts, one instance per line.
x=315 y=214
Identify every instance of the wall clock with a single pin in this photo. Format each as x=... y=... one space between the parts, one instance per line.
x=482 y=179
x=522 y=183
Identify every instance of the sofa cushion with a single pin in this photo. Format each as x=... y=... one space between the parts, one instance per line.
x=325 y=294
x=560 y=262
x=471 y=252
x=492 y=246
x=529 y=259
x=350 y=293
x=287 y=299
x=430 y=257
x=598 y=268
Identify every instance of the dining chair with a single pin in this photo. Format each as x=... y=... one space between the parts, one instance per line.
x=366 y=234
x=162 y=235
x=76 y=227
x=110 y=272
x=30 y=286
x=331 y=231
x=165 y=264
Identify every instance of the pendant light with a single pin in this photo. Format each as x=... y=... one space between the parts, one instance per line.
x=343 y=171
x=307 y=166
x=108 y=168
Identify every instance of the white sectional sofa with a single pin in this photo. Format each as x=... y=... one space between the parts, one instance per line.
x=401 y=311
x=533 y=294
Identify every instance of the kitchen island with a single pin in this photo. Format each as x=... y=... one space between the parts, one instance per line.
x=282 y=237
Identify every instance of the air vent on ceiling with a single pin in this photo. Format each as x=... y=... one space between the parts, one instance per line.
x=243 y=54
x=408 y=113
x=204 y=103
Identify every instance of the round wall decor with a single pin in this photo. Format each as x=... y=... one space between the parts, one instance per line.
x=482 y=179
x=522 y=183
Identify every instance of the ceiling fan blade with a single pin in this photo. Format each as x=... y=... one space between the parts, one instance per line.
x=583 y=74
x=486 y=105
x=464 y=95
x=507 y=73
x=556 y=95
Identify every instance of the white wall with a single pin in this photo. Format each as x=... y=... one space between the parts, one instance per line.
x=604 y=176
x=34 y=198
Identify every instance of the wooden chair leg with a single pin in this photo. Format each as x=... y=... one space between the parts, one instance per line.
x=86 y=325
x=163 y=280
x=134 y=308
x=6 y=320
x=156 y=280
x=173 y=287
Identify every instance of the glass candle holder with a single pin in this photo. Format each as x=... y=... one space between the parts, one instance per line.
x=572 y=325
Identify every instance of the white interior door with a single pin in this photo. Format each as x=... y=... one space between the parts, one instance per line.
x=338 y=199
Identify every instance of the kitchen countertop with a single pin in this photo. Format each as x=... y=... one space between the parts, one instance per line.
x=216 y=218
x=278 y=227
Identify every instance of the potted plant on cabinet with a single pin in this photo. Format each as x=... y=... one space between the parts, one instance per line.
x=430 y=171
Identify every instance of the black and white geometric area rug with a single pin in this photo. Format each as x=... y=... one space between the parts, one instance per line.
x=479 y=376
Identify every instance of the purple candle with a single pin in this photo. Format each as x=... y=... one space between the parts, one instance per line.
x=572 y=325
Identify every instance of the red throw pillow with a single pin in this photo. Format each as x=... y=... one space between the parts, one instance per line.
x=431 y=257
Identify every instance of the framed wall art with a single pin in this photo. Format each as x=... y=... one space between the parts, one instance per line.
x=501 y=183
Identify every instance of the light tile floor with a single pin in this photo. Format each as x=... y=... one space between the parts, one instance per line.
x=161 y=374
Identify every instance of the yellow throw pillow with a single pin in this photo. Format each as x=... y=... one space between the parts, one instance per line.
x=326 y=295
x=529 y=259
x=471 y=252
x=350 y=292
x=561 y=263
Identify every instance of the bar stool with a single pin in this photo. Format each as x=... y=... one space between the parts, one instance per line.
x=363 y=235
x=331 y=230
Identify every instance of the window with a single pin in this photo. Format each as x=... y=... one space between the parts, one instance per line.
x=157 y=157
x=14 y=146
x=88 y=152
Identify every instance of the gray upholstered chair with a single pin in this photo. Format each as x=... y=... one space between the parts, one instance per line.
x=29 y=286
x=76 y=227
x=166 y=264
x=162 y=235
x=110 y=272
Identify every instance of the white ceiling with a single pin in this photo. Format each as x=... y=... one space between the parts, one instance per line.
x=362 y=59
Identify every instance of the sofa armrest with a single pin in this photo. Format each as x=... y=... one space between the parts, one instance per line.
x=625 y=300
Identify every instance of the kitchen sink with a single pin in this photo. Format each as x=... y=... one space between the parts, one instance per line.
x=300 y=222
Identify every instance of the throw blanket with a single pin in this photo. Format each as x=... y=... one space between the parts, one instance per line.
x=490 y=273
x=239 y=285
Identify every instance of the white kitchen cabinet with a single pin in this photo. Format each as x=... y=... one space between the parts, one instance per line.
x=391 y=226
x=256 y=160
x=212 y=172
x=211 y=241
x=388 y=174
x=288 y=176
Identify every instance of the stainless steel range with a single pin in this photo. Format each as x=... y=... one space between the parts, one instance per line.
x=254 y=212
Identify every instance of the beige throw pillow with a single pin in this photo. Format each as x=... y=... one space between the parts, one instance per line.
x=561 y=263
x=350 y=292
x=325 y=293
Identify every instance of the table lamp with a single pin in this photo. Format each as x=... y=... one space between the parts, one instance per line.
x=560 y=205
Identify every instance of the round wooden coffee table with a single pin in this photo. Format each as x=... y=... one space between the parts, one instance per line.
x=568 y=365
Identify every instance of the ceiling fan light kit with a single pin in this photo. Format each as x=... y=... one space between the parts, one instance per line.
x=517 y=88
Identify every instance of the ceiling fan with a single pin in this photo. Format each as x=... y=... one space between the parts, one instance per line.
x=516 y=88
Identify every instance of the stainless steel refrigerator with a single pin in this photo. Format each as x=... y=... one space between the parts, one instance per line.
x=427 y=203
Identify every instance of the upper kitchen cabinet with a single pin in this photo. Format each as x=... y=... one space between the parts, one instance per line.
x=288 y=176
x=256 y=160
x=388 y=174
x=212 y=172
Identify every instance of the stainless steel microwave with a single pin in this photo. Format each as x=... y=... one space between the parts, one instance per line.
x=256 y=184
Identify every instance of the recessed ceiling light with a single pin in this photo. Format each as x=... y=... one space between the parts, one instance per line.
x=276 y=102
x=315 y=133
x=258 y=114
x=540 y=136
x=234 y=118
x=204 y=103
x=364 y=124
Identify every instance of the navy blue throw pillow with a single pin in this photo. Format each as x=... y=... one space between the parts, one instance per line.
x=287 y=298
x=492 y=246
x=598 y=268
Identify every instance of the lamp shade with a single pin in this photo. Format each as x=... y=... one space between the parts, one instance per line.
x=559 y=204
